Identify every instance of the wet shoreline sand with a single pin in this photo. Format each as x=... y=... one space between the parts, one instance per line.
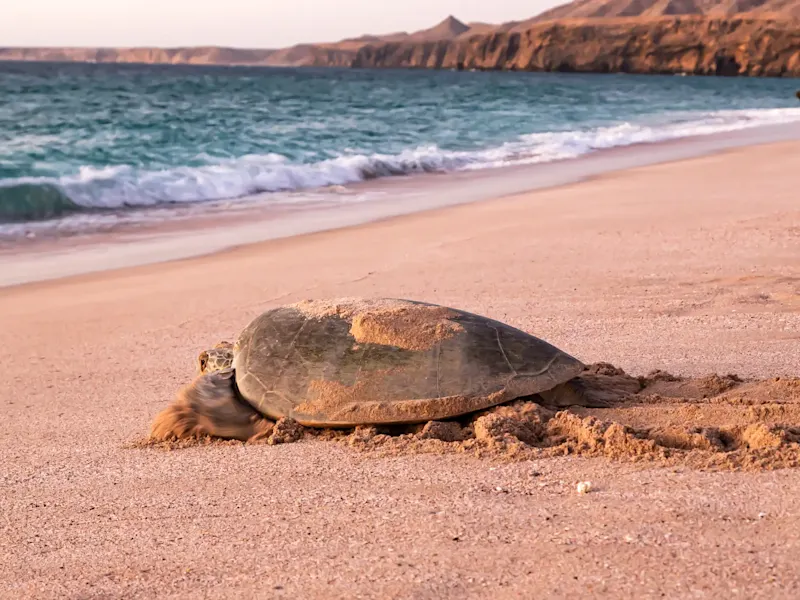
x=179 y=232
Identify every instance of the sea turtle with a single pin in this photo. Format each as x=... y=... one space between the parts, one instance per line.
x=349 y=362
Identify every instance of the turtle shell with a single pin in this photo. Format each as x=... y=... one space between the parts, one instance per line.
x=339 y=363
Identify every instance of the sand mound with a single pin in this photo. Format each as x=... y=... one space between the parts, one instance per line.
x=714 y=422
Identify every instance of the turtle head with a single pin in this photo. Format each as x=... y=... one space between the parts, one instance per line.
x=218 y=358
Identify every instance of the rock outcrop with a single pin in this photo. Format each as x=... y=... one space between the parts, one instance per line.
x=693 y=37
x=211 y=55
x=302 y=55
x=592 y=9
x=689 y=45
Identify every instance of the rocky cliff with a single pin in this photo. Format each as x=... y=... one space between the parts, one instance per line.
x=592 y=9
x=691 y=45
x=301 y=55
x=336 y=54
x=698 y=37
x=191 y=56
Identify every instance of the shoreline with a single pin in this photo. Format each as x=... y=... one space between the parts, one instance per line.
x=131 y=246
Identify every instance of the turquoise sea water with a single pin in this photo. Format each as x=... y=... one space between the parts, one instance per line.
x=79 y=139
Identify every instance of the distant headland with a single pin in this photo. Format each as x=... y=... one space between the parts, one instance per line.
x=691 y=37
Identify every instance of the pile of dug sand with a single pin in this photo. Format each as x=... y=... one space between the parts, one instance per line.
x=715 y=422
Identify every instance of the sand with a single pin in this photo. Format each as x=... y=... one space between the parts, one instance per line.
x=713 y=422
x=218 y=227
x=690 y=268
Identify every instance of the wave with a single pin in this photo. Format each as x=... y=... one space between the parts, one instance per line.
x=112 y=188
x=34 y=202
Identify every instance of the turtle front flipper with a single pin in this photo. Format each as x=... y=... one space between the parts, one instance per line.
x=209 y=406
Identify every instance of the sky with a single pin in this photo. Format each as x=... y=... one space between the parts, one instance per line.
x=238 y=23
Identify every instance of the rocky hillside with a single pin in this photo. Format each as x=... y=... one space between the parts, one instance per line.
x=692 y=45
x=596 y=9
x=336 y=54
x=193 y=56
x=449 y=29
x=301 y=55
x=723 y=37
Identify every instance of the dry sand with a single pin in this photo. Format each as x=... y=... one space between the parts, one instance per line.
x=691 y=267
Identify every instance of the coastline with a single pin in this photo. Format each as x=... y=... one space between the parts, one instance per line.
x=193 y=237
x=616 y=42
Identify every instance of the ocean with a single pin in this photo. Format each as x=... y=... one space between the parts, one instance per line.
x=82 y=144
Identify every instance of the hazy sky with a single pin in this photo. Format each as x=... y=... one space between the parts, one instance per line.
x=242 y=23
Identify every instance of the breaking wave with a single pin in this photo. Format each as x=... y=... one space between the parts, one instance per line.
x=95 y=189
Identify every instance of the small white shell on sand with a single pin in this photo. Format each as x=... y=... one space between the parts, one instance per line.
x=584 y=487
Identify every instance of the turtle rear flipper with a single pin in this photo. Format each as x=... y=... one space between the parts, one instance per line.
x=591 y=390
x=571 y=393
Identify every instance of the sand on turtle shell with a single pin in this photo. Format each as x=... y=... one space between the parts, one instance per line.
x=347 y=308
x=387 y=321
x=410 y=328
x=714 y=422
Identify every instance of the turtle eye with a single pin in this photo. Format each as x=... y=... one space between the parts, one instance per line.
x=202 y=361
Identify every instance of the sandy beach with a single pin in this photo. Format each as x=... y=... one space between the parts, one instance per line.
x=691 y=267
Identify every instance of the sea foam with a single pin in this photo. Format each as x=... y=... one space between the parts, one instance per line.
x=118 y=187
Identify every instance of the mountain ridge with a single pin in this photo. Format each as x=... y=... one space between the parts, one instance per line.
x=592 y=28
x=670 y=8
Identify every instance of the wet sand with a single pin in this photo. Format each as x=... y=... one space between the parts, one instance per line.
x=690 y=267
x=162 y=235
